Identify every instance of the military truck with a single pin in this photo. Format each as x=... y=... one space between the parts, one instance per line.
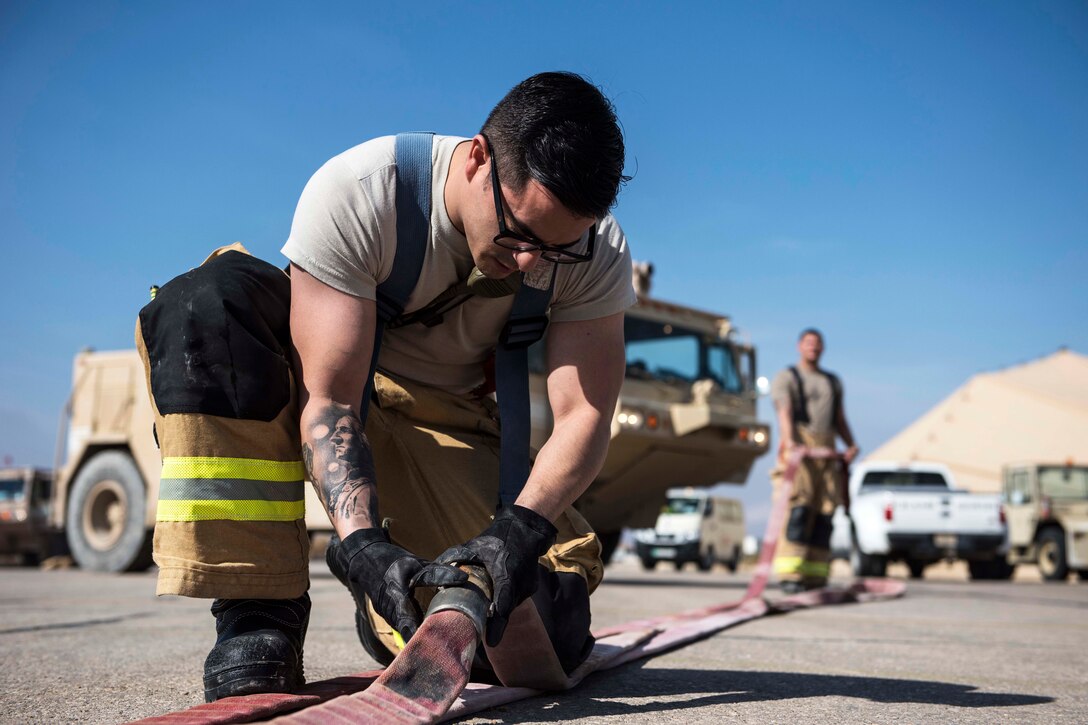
x=25 y=532
x=686 y=415
x=1046 y=506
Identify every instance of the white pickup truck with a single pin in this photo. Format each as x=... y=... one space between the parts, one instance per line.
x=911 y=513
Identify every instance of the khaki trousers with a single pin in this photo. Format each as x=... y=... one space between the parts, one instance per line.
x=230 y=521
x=803 y=553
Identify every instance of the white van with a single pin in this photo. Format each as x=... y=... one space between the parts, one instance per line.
x=694 y=526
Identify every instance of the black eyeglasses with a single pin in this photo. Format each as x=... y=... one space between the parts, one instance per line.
x=507 y=239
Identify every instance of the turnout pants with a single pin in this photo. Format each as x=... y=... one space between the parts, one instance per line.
x=230 y=518
x=804 y=553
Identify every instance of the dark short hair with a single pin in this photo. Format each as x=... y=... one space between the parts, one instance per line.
x=810 y=331
x=559 y=129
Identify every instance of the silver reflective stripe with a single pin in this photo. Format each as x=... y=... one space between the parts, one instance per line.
x=229 y=489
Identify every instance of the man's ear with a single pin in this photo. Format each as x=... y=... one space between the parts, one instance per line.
x=479 y=155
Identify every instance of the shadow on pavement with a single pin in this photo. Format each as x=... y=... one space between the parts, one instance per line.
x=702 y=688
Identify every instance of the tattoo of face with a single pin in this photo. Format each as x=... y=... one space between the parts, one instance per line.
x=341 y=466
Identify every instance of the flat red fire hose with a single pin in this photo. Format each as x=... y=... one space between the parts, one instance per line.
x=428 y=681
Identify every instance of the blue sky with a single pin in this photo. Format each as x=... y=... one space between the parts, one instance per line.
x=912 y=178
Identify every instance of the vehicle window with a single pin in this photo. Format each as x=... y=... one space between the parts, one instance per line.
x=682 y=506
x=43 y=491
x=1063 y=481
x=1018 y=484
x=673 y=354
x=903 y=478
x=11 y=489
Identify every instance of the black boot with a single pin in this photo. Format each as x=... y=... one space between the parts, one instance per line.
x=258 y=647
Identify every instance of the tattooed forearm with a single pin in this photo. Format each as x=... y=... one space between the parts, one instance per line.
x=338 y=458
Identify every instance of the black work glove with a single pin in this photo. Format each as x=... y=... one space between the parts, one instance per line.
x=508 y=549
x=382 y=571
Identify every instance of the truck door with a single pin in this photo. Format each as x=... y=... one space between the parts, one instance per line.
x=1021 y=510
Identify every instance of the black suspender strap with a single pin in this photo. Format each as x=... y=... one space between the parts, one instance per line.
x=413 y=202
x=527 y=322
x=799 y=404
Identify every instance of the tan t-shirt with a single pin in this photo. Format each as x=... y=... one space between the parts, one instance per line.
x=345 y=234
x=819 y=398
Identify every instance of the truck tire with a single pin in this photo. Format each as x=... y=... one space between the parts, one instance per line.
x=868 y=564
x=609 y=541
x=990 y=569
x=1053 y=564
x=706 y=561
x=648 y=564
x=733 y=563
x=917 y=568
x=105 y=517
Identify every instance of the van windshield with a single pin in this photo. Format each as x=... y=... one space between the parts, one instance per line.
x=897 y=479
x=675 y=354
x=1064 y=481
x=683 y=506
x=11 y=489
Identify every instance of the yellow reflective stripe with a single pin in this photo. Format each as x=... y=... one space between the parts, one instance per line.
x=815 y=568
x=788 y=564
x=230 y=511
x=253 y=469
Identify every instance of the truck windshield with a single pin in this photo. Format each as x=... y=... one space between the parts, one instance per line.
x=898 y=479
x=682 y=506
x=673 y=354
x=1064 y=481
x=11 y=489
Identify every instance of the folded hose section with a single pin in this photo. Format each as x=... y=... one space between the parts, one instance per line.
x=428 y=681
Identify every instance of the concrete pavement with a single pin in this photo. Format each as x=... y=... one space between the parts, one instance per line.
x=91 y=648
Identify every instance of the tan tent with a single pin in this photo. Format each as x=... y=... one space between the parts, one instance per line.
x=1037 y=411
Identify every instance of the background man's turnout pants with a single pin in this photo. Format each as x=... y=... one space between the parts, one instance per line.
x=804 y=545
x=230 y=521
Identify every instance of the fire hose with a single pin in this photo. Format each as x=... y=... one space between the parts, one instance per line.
x=428 y=682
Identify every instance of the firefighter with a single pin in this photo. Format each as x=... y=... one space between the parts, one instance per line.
x=808 y=403
x=261 y=379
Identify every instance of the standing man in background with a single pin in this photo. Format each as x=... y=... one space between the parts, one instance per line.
x=808 y=402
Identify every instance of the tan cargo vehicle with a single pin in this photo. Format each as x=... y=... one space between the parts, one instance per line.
x=24 y=514
x=686 y=415
x=1046 y=506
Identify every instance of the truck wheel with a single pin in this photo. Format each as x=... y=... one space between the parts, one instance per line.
x=917 y=568
x=648 y=564
x=868 y=564
x=1052 y=562
x=992 y=569
x=609 y=541
x=105 y=518
x=733 y=563
x=706 y=561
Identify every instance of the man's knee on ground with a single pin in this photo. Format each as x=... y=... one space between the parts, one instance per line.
x=217 y=337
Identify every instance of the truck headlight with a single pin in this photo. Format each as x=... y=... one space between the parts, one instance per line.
x=638 y=419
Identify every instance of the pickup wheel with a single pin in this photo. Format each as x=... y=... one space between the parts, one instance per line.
x=917 y=568
x=105 y=517
x=1052 y=562
x=992 y=569
x=868 y=564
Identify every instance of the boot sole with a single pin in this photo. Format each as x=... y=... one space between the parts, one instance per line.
x=252 y=679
